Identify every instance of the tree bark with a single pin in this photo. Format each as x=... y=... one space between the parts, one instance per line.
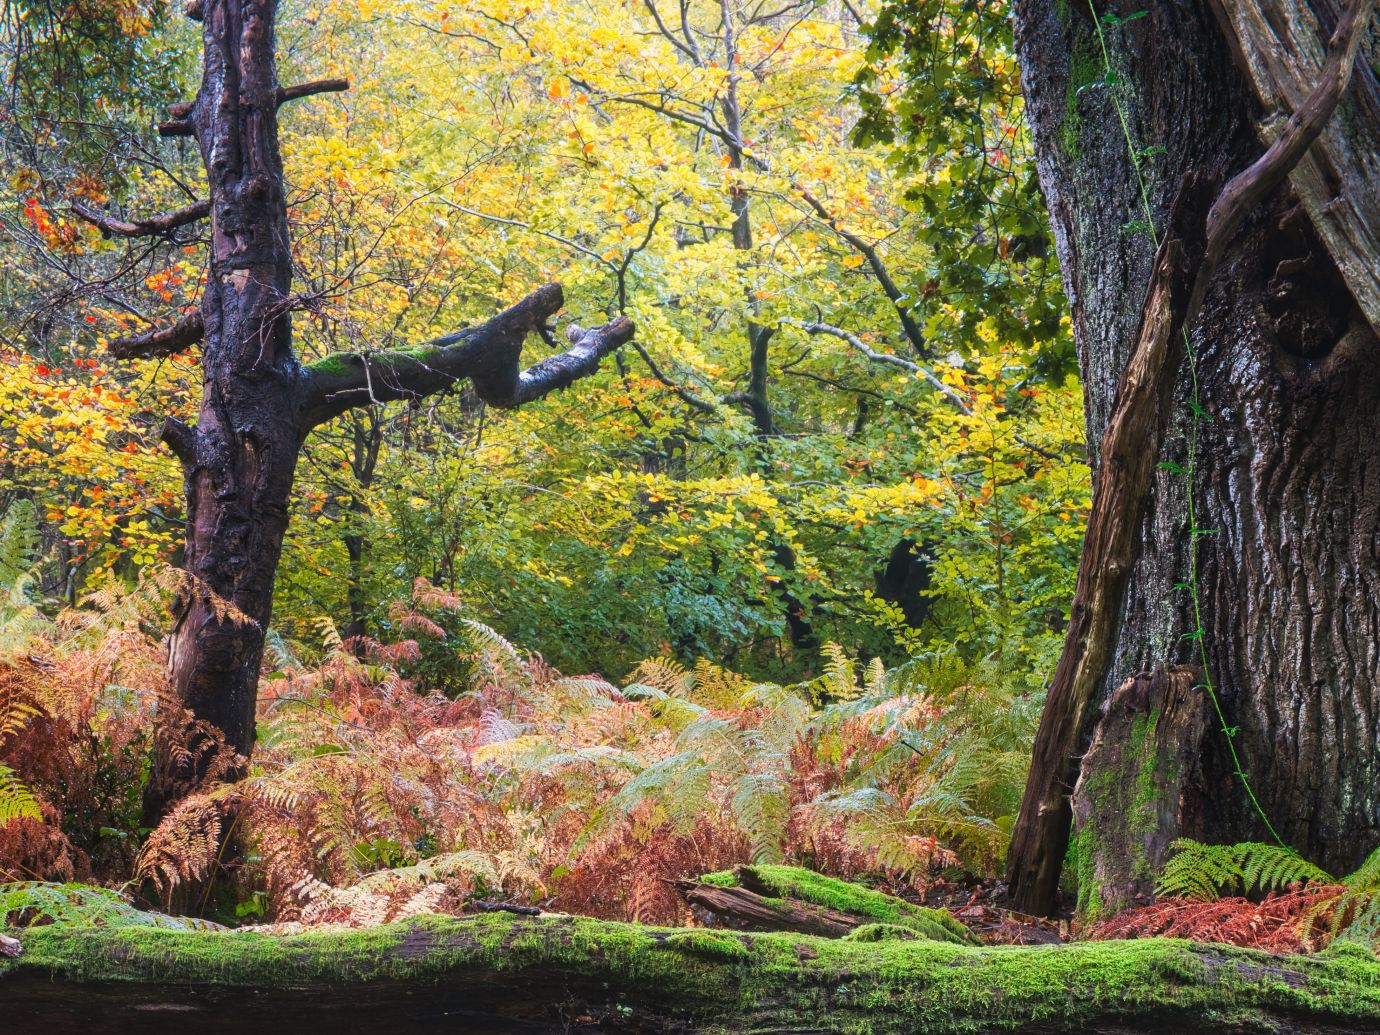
x=1285 y=492
x=259 y=403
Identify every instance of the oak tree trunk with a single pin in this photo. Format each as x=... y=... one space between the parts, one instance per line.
x=1286 y=489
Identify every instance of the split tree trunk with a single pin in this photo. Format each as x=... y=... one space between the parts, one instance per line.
x=1288 y=462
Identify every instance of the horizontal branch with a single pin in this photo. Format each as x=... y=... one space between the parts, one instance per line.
x=487 y=355
x=177 y=128
x=151 y=226
x=161 y=341
x=292 y=93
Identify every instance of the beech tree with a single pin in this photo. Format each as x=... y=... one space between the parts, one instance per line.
x=259 y=402
x=1210 y=173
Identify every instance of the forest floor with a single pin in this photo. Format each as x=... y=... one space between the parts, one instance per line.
x=842 y=958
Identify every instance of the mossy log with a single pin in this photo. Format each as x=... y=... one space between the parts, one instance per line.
x=500 y=973
x=788 y=898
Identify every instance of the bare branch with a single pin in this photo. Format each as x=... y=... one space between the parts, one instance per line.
x=161 y=341
x=177 y=128
x=151 y=226
x=488 y=355
x=868 y=251
x=180 y=438
x=670 y=36
x=573 y=245
x=698 y=402
x=897 y=361
x=292 y=93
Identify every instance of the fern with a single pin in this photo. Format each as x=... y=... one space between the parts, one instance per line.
x=28 y=903
x=16 y=800
x=1206 y=872
x=19 y=542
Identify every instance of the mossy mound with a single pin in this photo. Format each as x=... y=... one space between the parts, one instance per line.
x=558 y=974
x=793 y=882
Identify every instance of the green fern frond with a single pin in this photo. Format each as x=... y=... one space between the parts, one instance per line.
x=875 y=678
x=16 y=800
x=762 y=807
x=840 y=680
x=330 y=636
x=81 y=906
x=19 y=542
x=498 y=653
x=1206 y=872
x=1367 y=875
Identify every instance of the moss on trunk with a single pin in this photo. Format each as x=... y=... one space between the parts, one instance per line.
x=557 y=974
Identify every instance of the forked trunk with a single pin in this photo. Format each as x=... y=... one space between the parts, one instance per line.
x=259 y=403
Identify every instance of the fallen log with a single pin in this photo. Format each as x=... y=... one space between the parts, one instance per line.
x=788 y=898
x=503 y=973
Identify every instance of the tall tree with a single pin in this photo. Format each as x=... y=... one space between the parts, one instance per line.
x=259 y=402
x=1237 y=349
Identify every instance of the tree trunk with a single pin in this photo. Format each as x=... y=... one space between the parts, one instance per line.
x=259 y=403
x=239 y=461
x=1286 y=470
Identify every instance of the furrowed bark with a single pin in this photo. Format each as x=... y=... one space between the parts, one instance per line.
x=1040 y=838
x=1274 y=365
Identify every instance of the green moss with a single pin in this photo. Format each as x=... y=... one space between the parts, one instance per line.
x=1125 y=799
x=1085 y=68
x=337 y=364
x=882 y=933
x=709 y=944
x=1089 y=903
x=782 y=882
x=768 y=982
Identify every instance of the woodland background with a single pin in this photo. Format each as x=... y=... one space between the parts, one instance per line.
x=810 y=539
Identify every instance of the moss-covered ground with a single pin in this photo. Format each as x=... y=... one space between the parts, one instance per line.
x=714 y=981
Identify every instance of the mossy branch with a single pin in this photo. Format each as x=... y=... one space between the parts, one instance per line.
x=487 y=355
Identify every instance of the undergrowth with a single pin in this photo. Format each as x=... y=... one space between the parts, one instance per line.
x=374 y=796
x=1256 y=895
